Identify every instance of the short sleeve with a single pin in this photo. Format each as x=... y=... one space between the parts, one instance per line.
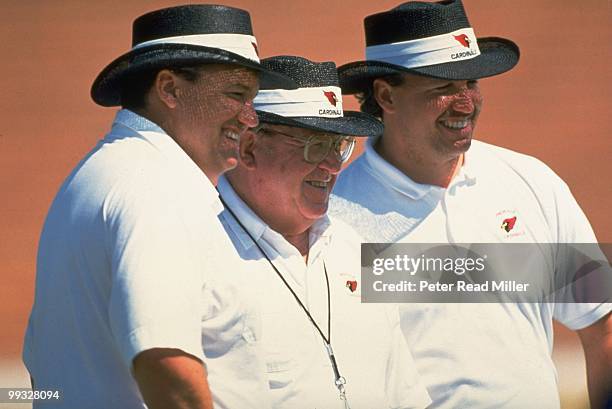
x=574 y=227
x=157 y=254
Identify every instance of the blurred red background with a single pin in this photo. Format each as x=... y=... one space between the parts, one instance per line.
x=553 y=105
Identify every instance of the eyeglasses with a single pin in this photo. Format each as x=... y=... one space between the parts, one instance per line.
x=317 y=147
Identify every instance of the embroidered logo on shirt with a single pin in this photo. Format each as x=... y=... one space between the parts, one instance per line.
x=351 y=285
x=508 y=224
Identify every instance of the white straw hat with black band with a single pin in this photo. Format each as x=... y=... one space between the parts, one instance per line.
x=430 y=39
x=182 y=36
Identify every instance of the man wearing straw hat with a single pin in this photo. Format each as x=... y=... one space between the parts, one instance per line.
x=132 y=241
x=321 y=348
x=426 y=181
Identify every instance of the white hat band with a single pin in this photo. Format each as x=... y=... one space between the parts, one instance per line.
x=242 y=44
x=456 y=46
x=316 y=101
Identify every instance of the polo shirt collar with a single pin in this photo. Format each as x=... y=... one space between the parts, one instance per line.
x=466 y=176
x=136 y=122
x=392 y=176
x=158 y=138
x=400 y=182
x=251 y=222
x=320 y=235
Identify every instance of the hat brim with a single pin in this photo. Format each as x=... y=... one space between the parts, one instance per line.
x=497 y=55
x=106 y=88
x=352 y=123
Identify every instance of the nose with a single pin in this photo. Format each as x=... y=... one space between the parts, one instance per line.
x=331 y=163
x=466 y=98
x=248 y=116
x=463 y=102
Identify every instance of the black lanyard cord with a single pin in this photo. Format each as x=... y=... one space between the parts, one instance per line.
x=326 y=339
x=339 y=380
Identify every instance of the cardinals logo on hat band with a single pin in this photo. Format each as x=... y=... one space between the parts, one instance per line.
x=316 y=101
x=242 y=44
x=456 y=46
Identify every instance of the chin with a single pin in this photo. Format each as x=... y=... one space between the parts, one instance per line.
x=218 y=167
x=230 y=163
x=314 y=211
x=317 y=214
x=463 y=145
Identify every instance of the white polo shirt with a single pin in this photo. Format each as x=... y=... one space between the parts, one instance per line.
x=369 y=348
x=127 y=261
x=474 y=355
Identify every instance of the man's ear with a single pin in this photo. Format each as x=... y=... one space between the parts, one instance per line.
x=167 y=88
x=383 y=93
x=248 y=143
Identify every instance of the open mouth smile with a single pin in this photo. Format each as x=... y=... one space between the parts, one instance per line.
x=234 y=136
x=457 y=124
x=318 y=184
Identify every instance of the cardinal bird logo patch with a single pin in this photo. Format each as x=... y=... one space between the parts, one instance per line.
x=508 y=224
x=463 y=39
x=256 y=49
x=351 y=285
x=331 y=97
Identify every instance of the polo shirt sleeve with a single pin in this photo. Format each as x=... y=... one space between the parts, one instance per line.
x=156 y=256
x=574 y=227
x=404 y=388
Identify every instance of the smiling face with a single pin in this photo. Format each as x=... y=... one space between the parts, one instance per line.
x=436 y=118
x=212 y=112
x=275 y=180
